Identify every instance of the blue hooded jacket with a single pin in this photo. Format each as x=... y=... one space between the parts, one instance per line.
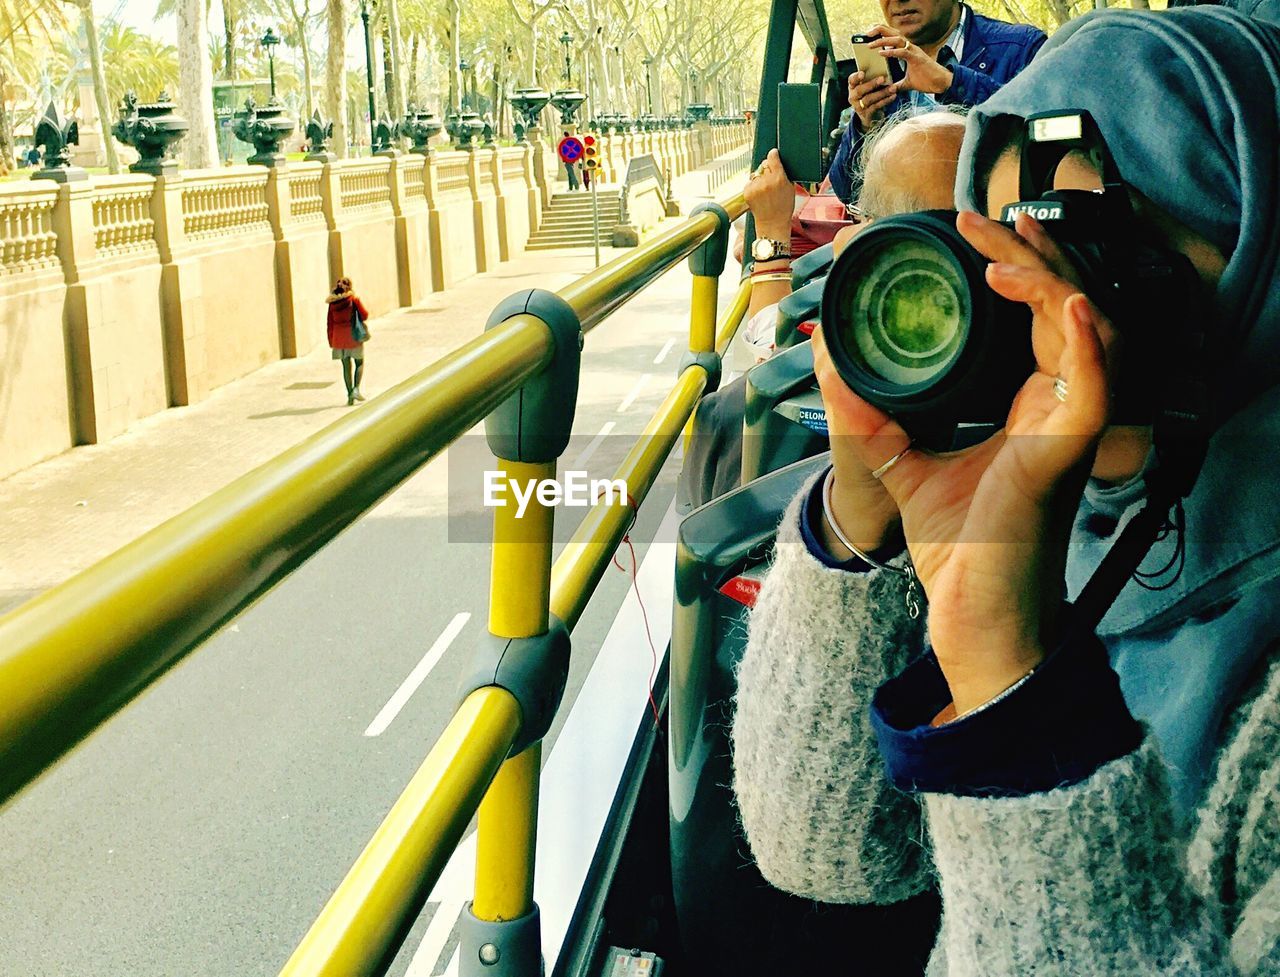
x=994 y=51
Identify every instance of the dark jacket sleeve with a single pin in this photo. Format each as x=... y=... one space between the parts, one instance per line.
x=840 y=175
x=990 y=63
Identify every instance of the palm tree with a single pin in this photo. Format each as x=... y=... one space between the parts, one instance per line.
x=27 y=30
x=99 y=80
x=296 y=33
x=195 y=85
x=336 y=74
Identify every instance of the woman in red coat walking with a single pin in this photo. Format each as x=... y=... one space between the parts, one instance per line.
x=344 y=306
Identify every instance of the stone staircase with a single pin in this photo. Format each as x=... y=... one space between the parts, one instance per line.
x=567 y=222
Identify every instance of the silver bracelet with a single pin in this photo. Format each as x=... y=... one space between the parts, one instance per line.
x=908 y=571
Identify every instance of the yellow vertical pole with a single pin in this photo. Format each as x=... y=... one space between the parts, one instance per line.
x=702 y=313
x=519 y=601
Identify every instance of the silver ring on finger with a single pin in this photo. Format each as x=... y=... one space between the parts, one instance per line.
x=1060 y=389
x=883 y=469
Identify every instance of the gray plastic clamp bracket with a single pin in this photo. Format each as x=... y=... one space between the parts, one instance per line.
x=534 y=423
x=511 y=948
x=709 y=361
x=534 y=670
x=709 y=256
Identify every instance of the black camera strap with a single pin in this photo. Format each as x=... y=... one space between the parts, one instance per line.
x=1181 y=431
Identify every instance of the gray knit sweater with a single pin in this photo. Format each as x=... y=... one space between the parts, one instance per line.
x=1087 y=880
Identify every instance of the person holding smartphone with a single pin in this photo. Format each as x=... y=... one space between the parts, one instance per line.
x=937 y=52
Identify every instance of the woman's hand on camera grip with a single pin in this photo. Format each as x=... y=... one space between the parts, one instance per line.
x=987 y=527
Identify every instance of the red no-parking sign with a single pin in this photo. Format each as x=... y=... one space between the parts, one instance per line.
x=570 y=149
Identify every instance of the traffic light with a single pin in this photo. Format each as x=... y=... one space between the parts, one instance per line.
x=590 y=153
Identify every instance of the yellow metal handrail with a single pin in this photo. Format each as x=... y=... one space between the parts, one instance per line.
x=411 y=847
x=574 y=577
x=595 y=295
x=75 y=655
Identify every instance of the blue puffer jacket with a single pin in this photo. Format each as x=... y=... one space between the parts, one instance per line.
x=994 y=51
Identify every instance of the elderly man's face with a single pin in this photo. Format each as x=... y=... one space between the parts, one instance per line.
x=921 y=21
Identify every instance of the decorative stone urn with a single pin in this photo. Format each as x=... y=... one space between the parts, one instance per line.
x=56 y=135
x=528 y=103
x=421 y=127
x=463 y=128
x=567 y=102
x=266 y=128
x=699 y=111
x=318 y=133
x=152 y=129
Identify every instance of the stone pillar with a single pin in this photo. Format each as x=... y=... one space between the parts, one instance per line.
x=431 y=184
x=278 y=213
x=534 y=184
x=413 y=267
x=181 y=298
x=73 y=213
x=493 y=163
x=616 y=156
x=331 y=204
x=543 y=179
x=483 y=211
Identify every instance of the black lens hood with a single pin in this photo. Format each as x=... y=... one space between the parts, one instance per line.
x=979 y=382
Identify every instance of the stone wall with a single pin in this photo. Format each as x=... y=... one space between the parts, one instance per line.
x=121 y=296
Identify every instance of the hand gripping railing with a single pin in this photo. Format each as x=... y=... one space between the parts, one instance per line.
x=75 y=655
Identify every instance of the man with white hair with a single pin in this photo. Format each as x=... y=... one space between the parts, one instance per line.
x=909 y=165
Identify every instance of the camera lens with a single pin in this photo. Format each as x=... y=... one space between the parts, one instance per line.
x=908 y=312
x=913 y=328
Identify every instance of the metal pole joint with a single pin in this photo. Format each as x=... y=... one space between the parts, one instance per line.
x=534 y=423
x=709 y=257
x=709 y=361
x=506 y=948
x=534 y=670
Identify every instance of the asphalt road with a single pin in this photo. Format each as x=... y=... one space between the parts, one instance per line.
x=201 y=830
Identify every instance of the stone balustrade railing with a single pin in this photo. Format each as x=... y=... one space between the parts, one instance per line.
x=169 y=286
x=122 y=222
x=306 y=194
x=223 y=203
x=364 y=184
x=28 y=242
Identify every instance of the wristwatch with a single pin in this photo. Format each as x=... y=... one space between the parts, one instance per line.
x=763 y=249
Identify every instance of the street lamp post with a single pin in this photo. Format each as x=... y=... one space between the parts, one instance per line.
x=566 y=39
x=464 y=66
x=269 y=40
x=368 y=66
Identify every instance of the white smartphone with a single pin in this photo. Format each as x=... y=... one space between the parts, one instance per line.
x=870 y=61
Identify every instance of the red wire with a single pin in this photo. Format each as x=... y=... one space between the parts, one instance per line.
x=635 y=586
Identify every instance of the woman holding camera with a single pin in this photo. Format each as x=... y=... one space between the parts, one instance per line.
x=1089 y=802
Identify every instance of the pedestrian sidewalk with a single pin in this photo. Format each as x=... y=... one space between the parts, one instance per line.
x=65 y=514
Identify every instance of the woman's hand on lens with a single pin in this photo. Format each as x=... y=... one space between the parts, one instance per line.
x=867 y=514
x=987 y=527
x=871 y=98
x=771 y=196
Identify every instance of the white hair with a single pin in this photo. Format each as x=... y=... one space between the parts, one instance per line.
x=881 y=195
